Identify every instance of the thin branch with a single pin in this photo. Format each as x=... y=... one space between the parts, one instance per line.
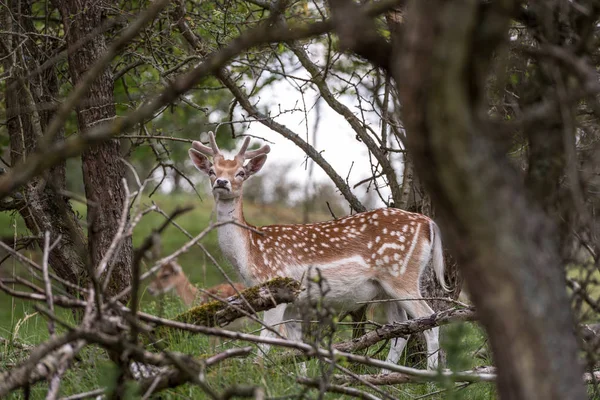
x=349 y=116
x=90 y=76
x=147 y=137
x=446 y=299
x=117 y=239
x=47 y=284
x=56 y=152
x=26 y=261
x=85 y=395
x=348 y=391
x=403 y=329
x=245 y=102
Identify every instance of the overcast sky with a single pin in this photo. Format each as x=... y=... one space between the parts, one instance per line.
x=335 y=138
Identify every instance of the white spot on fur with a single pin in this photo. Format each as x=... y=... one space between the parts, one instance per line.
x=388 y=246
x=410 y=251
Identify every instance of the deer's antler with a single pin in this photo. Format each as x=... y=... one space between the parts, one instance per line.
x=243 y=155
x=213 y=150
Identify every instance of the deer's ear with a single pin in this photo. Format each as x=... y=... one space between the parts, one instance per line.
x=171 y=267
x=176 y=267
x=255 y=164
x=200 y=160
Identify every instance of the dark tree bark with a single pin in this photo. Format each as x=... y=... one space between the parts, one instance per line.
x=45 y=208
x=414 y=198
x=430 y=287
x=103 y=172
x=548 y=141
x=504 y=242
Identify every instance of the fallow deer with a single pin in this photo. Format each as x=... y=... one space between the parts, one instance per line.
x=170 y=277
x=373 y=255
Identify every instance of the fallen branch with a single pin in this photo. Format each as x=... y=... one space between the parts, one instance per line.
x=311 y=351
x=172 y=377
x=406 y=328
x=479 y=374
x=337 y=389
x=43 y=361
x=255 y=299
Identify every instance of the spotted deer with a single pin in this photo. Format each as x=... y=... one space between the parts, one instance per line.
x=373 y=255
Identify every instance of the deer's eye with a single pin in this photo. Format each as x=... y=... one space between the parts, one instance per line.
x=165 y=277
x=241 y=174
x=211 y=172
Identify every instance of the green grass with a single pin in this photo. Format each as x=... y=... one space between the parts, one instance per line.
x=590 y=274
x=94 y=370
x=197 y=266
x=19 y=320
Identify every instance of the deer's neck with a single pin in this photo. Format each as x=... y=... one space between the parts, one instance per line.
x=234 y=239
x=187 y=292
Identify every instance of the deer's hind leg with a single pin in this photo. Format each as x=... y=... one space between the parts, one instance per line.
x=395 y=313
x=359 y=317
x=420 y=309
x=415 y=307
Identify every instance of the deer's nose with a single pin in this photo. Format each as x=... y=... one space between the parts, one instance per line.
x=221 y=182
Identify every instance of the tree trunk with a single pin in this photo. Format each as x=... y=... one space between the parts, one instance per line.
x=103 y=172
x=46 y=209
x=505 y=244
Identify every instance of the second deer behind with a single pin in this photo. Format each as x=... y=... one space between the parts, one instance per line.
x=170 y=277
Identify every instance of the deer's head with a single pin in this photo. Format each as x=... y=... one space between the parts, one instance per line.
x=167 y=278
x=227 y=176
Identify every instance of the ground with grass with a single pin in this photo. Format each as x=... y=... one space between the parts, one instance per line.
x=20 y=323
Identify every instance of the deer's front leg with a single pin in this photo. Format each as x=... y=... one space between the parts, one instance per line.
x=272 y=318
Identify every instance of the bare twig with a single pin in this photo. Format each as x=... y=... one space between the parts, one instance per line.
x=56 y=152
x=91 y=393
x=117 y=239
x=406 y=328
x=86 y=81
x=27 y=261
x=245 y=102
x=338 y=389
x=47 y=284
x=447 y=299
